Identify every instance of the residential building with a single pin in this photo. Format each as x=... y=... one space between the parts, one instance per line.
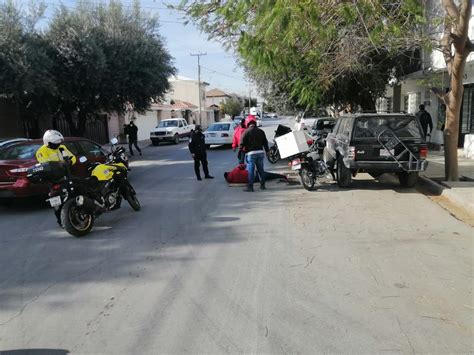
x=215 y=97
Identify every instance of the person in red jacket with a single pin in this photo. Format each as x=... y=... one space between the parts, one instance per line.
x=251 y=117
x=240 y=175
x=239 y=130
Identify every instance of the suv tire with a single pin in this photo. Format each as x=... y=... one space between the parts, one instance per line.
x=344 y=177
x=408 y=179
x=176 y=139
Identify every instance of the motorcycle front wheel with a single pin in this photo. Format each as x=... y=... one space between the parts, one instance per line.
x=75 y=220
x=273 y=155
x=130 y=195
x=307 y=179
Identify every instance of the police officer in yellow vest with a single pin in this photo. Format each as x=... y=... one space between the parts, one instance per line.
x=53 y=149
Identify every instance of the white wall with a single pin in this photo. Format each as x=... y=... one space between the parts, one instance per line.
x=146 y=123
x=187 y=90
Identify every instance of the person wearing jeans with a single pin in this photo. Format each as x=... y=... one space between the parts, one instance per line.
x=255 y=144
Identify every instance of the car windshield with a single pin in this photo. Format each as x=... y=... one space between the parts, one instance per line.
x=370 y=127
x=20 y=152
x=219 y=127
x=168 y=124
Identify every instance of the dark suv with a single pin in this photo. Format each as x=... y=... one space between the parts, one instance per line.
x=377 y=144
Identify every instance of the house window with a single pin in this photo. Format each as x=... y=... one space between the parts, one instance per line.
x=405 y=103
x=467 y=111
x=389 y=104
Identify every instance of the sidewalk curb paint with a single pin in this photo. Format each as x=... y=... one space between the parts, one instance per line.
x=460 y=208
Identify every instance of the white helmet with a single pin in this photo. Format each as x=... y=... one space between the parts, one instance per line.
x=253 y=111
x=52 y=136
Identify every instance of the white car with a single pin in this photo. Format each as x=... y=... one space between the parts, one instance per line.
x=220 y=133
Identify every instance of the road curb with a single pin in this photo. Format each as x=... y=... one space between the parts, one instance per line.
x=430 y=185
x=457 y=204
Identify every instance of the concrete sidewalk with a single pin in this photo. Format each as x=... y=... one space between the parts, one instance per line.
x=459 y=193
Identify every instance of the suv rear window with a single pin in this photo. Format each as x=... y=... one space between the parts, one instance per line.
x=26 y=151
x=370 y=127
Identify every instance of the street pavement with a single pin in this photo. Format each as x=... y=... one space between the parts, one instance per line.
x=207 y=268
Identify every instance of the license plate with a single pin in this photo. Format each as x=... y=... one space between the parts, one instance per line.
x=296 y=167
x=55 y=201
x=212 y=134
x=387 y=153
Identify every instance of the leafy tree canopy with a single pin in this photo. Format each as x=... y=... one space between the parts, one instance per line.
x=232 y=107
x=316 y=52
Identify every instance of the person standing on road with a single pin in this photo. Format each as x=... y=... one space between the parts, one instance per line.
x=239 y=130
x=425 y=120
x=132 y=131
x=197 y=147
x=254 y=143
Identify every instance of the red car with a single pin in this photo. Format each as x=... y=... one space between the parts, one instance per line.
x=16 y=159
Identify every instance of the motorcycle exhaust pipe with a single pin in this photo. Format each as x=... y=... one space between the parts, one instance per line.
x=89 y=204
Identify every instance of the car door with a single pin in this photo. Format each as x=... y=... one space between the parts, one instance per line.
x=331 y=142
x=342 y=136
x=181 y=128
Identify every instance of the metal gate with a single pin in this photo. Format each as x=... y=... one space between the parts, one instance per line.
x=96 y=128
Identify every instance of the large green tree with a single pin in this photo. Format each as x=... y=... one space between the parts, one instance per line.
x=317 y=52
x=106 y=58
x=25 y=65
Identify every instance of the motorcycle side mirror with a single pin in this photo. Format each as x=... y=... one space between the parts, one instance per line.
x=114 y=141
x=82 y=159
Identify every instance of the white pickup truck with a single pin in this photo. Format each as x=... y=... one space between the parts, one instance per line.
x=171 y=130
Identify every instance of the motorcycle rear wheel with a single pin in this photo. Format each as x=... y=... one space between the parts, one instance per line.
x=273 y=155
x=130 y=195
x=75 y=220
x=307 y=180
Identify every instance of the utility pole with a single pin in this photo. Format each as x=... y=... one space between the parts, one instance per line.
x=250 y=104
x=198 y=55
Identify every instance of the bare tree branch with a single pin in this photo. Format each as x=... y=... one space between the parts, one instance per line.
x=451 y=9
x=440 y=94
x=446 y=43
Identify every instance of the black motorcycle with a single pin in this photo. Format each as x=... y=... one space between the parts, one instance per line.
x=312 y=170
x=273 y=155
x=79 y=201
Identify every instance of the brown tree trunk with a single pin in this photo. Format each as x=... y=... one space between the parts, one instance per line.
x=453 y=112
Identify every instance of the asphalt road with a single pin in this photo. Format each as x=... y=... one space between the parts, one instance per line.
x=207 y=268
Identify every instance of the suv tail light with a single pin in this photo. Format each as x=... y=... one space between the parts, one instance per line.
x=423 y=152
x=309 y=142
x=352 y=153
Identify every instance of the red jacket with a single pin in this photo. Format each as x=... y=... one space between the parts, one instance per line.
x=250 y=118
x=238 y=175
x=239 y=130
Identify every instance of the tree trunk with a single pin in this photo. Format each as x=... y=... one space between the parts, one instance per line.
x=453 y=112
x=81 y=124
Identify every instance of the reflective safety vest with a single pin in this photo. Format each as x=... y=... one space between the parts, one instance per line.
x=45 y=154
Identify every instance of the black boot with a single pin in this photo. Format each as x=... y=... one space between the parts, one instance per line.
x=249 y=188
x=262 y=186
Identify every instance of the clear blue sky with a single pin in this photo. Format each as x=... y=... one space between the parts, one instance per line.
x=219 y=68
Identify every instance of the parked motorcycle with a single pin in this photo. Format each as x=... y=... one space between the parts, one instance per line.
x=79 y=201
x=273 y=155
x=313 y=171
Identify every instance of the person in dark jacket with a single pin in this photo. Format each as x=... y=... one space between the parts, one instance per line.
x=132 y=131
x=425 y=120
x=197 y=147
x=254 y=143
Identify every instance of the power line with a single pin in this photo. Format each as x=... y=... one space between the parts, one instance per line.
x=219 y=73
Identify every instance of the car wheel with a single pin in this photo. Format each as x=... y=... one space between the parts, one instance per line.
x=344 y=178
x=155 y=143
x=176 y=138
x=408 y=179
